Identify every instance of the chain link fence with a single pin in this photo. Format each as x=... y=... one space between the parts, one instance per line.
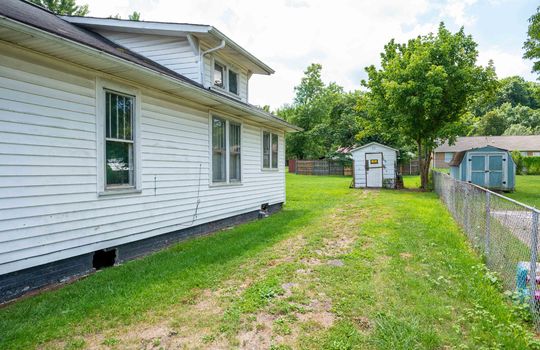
x=503 y=230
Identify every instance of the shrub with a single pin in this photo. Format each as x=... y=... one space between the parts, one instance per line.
x=532 y=165
x=518 y=159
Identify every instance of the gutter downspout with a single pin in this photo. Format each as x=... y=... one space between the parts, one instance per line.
x=204 y=53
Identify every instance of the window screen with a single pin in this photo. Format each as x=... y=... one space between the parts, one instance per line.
x=219 y=72
x=119 y=139
x=234 y=152
x=233 y=82
x=274 y=151
x=266 y=149
x=218 y=150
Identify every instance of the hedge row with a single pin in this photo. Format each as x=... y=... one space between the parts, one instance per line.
x=526 y=165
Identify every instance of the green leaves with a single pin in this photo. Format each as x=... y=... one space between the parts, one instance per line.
x=424 y=88
x=532 y=44
x=329 y=116
x=63 y=7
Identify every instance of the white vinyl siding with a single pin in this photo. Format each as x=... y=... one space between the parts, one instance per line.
x=49 y=206
x=173 y=52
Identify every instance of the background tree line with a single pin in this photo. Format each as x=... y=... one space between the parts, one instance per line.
x=426 y=91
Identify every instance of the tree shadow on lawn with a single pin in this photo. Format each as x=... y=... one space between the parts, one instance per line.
x=124 y=294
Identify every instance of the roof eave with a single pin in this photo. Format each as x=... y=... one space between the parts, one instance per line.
x=246 y=108
x=163 y=27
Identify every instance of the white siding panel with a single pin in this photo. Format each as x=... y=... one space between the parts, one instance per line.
x=49 y=203
x=172 y=52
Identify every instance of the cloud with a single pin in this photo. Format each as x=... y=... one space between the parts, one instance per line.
x=343 y=35
x=296 y=3
x=506 y=63
x=457 y=11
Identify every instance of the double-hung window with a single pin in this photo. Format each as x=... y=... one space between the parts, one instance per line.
x=119 y=140
x=118 y=113
x=226 y=151
x=225 y=78
x=270 y=150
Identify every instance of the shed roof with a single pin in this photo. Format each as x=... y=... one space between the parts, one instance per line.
x=372 y=143
x=512 y=143
x=458 y=156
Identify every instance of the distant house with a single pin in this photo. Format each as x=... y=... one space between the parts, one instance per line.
x=527 y=145
x=118 y=138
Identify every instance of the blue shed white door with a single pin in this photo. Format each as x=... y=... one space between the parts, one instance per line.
x=374 y=169
x=487 y=170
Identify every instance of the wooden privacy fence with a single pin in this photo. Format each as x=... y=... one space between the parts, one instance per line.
x=319 y=167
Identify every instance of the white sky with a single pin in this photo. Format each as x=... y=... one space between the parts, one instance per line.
x=344 y=36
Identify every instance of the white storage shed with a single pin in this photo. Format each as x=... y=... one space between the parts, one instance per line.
x=374 y=166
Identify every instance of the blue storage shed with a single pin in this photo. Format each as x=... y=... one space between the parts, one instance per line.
x=489 y=167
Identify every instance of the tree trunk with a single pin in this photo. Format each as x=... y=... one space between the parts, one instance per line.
x=424 y=161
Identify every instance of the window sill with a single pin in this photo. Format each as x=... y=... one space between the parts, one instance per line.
x=270 y=169
x=225 y=184
x=225 y=92
x=118 y=191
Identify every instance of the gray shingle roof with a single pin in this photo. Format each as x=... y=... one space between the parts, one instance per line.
x=512 y=143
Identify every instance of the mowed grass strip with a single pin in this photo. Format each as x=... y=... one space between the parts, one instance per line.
x=527 y=190
x=365 y=269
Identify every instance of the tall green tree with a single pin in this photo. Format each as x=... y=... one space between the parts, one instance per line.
x=517 y=91
x=498 y=120
x=424 y=87
x=518 y=129
x=311 y=110
x=532 y=44
x=493 y=123
x=63 y=7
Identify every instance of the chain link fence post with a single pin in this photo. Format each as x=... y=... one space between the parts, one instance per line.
x=466 y=210
x=534 y=255
x=488 y=224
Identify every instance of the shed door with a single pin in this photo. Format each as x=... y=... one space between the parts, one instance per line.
x=495 y=171
x=478 y=170
x=374 y=169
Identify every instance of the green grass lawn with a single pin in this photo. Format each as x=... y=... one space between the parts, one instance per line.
x=336 y=269
x=527 y=190
x=411 y=181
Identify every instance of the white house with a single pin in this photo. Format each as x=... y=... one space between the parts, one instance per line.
x=118 y=138
x=374 y=166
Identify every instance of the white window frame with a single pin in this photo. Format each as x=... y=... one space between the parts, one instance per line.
x=448 y=156
x=228 y=119
x=262 y=151
x=102 y=86
x=225 y=87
